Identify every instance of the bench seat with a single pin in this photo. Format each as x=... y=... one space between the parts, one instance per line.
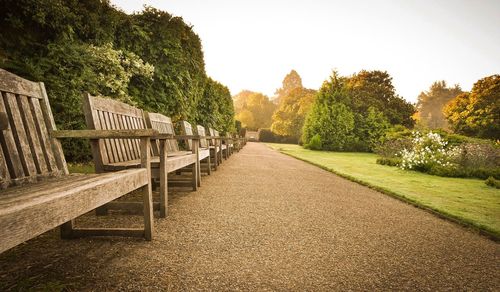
x=32 y=209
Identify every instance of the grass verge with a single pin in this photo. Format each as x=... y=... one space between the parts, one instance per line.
x=469 y=202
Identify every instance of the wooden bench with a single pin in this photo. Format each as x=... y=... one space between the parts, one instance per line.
x=37 y=194
x=118 y=154
x=203 y=149
x=215 y=144
x=164 y=125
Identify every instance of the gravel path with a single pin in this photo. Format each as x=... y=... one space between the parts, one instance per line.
x=266 y=221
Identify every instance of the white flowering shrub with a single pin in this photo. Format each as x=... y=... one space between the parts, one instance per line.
x=428 y=150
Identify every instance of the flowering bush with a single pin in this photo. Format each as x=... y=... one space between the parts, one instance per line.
x=427 y=151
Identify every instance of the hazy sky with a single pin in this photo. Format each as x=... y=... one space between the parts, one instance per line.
x=254 y=44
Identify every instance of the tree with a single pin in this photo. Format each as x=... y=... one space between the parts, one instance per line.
x=374 y=89
x=477 y=113
x=330 y=119
x=289 y=117
x=216 y=108
x=291 y=81
x=430 y=104
x=253 y=109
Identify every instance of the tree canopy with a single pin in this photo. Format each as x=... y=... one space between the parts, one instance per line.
x=253 y=109
x=430 y=104
x=295 y=101
x=477 y=113
x=150 y=59
x=352 y=113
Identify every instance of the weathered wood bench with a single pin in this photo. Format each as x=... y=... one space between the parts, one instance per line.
x=215 y=144
x=203 y=149
x=37 y=194
x=118 y=154
x=164 y=125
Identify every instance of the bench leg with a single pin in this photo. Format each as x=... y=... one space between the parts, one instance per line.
x=67 y=229
x=163 y=182
x=147 y=191
x=195 y=177
x=209 y=165
x=101 y=211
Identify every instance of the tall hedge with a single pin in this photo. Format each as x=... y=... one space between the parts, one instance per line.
x=151 y=59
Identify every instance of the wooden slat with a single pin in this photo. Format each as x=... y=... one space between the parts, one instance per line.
x=50 y=124
x=19 y=134
x=14 y=84
x=32 y=134
x=108 y=151
x=114 y=106
x=4 y=172
x=92 y=119
x=112 y=142
x=118 y=142
x=10 y=149
x=126 y=142
x=134 y=151
x=43 y=135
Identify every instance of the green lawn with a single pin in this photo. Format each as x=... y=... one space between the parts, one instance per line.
x=469 y=201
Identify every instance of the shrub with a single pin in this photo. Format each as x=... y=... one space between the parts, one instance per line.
x=266 y=135
x=390 y=161
x=492 y=182
x=428 y=150
x=315 y=143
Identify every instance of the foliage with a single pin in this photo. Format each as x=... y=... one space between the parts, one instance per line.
x=427 y=150
x=76 y=46
x=266 y=135
x=430 y=104
x=329 y=118
x=477 y=113
x=374 y=89
x=291 y=82
x=390 y=161
x=289 y=117
x=492 y=182
x=315 y=143
x=253 y=109
x=353 y=113
x=441 y=154
x=216 y=109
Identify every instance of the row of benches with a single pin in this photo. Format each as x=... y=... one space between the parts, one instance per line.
x=133 y=150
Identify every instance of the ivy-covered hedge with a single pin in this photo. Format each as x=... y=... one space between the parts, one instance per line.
x=151 y=59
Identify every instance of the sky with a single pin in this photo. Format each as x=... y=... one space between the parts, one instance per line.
x=253 y=44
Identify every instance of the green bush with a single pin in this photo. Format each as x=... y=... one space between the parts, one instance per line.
x=314 y=143
x=390 y=161
x=150 y=59
x=266 y=135
x=492 y=182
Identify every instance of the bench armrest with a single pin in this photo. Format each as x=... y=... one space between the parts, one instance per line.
x=175 y=137
x=104 y=134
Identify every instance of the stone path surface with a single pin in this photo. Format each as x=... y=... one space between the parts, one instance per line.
x=266 y=221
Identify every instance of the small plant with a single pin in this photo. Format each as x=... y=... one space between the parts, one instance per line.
x=315 y=143
x=492 y=182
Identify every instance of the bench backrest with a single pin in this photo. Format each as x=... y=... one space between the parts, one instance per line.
x=27 y=152
x=212 y=132
x=108 y=114
x=201 y=131
x=163 y=125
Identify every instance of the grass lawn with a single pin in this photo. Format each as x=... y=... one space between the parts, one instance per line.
x=81 y=167
x=469 y=201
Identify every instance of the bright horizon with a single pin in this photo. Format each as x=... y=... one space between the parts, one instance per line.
x=253 y=44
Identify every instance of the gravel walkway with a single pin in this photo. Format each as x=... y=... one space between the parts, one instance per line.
x=266 y=221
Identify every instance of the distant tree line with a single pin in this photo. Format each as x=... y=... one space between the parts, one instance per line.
x=150 y=59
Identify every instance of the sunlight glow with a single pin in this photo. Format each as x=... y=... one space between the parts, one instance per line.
x=254 y=44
